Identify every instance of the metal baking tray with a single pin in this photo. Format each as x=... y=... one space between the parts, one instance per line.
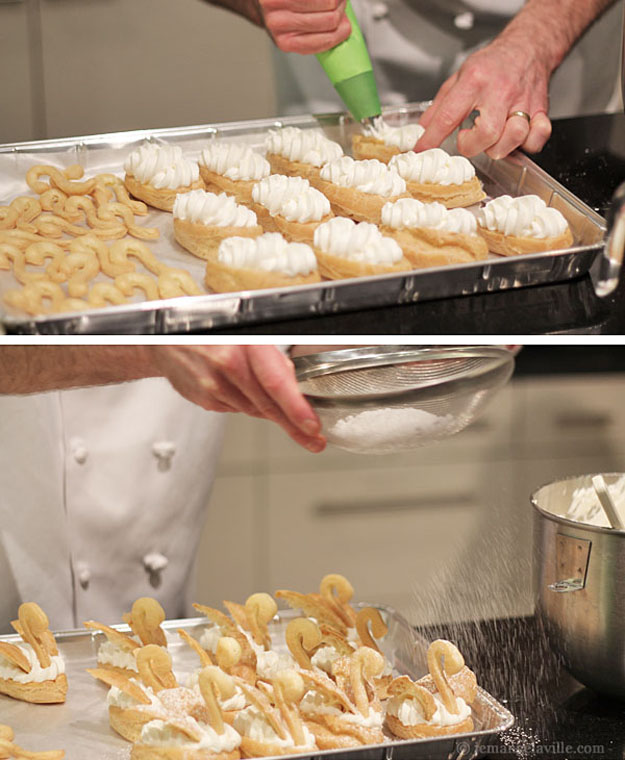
x=81 y=725
x=514 y=175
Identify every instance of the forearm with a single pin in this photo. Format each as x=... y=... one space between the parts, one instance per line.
x=249 y=9
x=33 y=369
x=551 y=27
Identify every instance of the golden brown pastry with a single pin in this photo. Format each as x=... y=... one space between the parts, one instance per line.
x=382 y=141
x=299 y=152
x=232 y=168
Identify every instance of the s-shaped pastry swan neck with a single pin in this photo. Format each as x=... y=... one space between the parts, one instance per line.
x=366 y=617
x=445 y=659
x=260 y=609
x=154 y=666
x=302 y=638
x=288 y=687
x=365 y=664
x=214 y=683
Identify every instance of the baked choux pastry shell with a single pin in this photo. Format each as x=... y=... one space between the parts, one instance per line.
x=281 y=165
x=254 y=748
x=338 y=268
x=367 y=146
x=162 y=197
x=347 y=201
x=426 y=247
x=37 y=692
x=451 y=196
x=225 y=279
x=202 y=240
x=147 y=752
x=299 y=232
x=511 y=245
x=425 y=730
x=128 y=722
x=241 y=189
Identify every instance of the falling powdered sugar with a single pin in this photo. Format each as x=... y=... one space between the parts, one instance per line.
x=387 y=429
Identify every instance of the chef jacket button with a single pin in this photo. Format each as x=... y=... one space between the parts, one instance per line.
x=464 y=20
x=164 y=452
x=379 y=10
x=83 y=573
x=79 y=450
x=155 y=563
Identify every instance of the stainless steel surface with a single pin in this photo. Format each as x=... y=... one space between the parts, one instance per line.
x=380 y=399
x=81 y=725
x=514 y=175
x=610 y=263
x=579 y=582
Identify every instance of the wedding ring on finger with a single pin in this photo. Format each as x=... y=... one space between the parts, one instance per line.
x=522 y=114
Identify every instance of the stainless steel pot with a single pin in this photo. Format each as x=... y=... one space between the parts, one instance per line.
x=579 y=582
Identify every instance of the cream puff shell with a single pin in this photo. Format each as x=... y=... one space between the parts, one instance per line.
x=512 y=245
x=241 y=189
x=348 y=201
x=161 y=197
x=334 y=267
x=427 y=247
x=299 y=232
x=224 y=279
x=128 y=721
x=451 y=196
x=281 y=165
x=148 y=752
x=203 y=240
x=425 y=730
x=367 y=146
x=37 y=692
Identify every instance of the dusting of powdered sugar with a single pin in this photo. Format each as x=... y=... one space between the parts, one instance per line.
x=387 y=429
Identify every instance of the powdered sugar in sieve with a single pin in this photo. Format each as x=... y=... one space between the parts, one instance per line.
x=389 y=428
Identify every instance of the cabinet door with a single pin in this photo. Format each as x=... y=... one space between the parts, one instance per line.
x=131 y=64
x=19 y=90
x=429 y=541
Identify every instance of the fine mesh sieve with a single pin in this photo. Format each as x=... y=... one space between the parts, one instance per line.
x=379 y=399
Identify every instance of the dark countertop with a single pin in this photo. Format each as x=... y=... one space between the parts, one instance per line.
x=586 y=154
x=556 y=717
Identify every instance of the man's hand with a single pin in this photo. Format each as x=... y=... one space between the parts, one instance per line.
x=256 y=380
x=305 y=26
x=496 y=81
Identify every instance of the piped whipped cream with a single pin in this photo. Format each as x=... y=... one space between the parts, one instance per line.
x=115 y=697
x=251 y=722
x=305 y=145
x=410 y=713
x=235 y=161
x=409 y=213
x=525 y=216
x=324 y=657
x=404 y=137
x=291 y=197
x=270 y=253
x=160 y=733
x=270 y=663
x=37 y=674
x=110 y=653
x=210 y=638
x=368 y=176
x=434 y=166
x=206 y=208
x=162 y=166
x=362 y=241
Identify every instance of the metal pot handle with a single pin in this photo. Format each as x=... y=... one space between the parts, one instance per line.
x=607 y=276
x=572 y=557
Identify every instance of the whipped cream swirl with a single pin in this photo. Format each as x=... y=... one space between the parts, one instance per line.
x=162 y=166
x=37 y=674
x=291 y=197
x=208 y=208
x=236 y=161
x=110 y=653
x=305 y=145
x=270 y=253
x=433 y=166
x=404 y=137
x=410 y=712
x=368 y=176
x=160 y=733
x=411 y=213
x=361 y=242
x=251 y=722
x=525 y=216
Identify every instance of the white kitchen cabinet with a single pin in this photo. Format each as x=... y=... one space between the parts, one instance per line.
x=75 y=67
x=19 y=48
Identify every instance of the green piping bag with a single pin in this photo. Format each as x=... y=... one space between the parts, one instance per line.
x=348 y=67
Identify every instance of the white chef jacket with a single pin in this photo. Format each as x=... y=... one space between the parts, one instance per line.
x=415 y=45
x=102 y=495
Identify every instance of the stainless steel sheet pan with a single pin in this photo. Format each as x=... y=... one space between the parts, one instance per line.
x=107 y=152
x=81 y=725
